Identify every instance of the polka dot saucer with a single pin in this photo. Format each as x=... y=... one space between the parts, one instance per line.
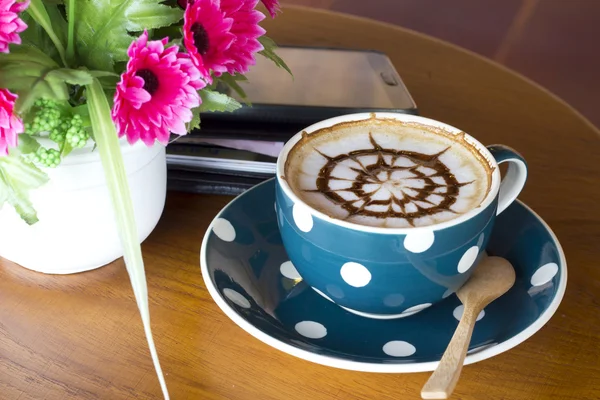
x=249 y=276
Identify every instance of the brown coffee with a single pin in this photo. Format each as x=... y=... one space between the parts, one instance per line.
x=388 y=173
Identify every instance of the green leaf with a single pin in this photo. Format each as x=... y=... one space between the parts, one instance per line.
x=83 y=111
x=269 y=51
x=232 y=82
x=70 y=30
x=59 y=24
x=215 y=101
x=103 y=28
x=109 y=84
x=114 y=170
x=120 y=67
x=40 y=14
x=28 y=144
x=35 y=36
x=175 y=42
x=72 y=76
x=28 y=54
x=17 y=177
x=102 y=74
x=32 y=74
x=109 y=80
x=173 y=32
x=65 y=149
x=28 y=71
x=195 y=122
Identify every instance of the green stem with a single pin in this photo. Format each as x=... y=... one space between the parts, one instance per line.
x=71 y=35
x=107 y=141
x=38 y=12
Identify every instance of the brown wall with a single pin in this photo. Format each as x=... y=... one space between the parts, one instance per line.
x=553 y=42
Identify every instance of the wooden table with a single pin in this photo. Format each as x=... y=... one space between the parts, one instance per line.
x=80 y=336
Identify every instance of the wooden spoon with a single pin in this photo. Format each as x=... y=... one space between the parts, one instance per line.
x=493 y=277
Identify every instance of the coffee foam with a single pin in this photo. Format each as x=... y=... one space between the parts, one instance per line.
x=387 y=173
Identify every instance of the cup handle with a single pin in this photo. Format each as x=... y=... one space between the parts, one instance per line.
x=515 y=177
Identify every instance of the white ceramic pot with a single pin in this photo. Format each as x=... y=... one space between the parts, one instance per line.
x=76 y=230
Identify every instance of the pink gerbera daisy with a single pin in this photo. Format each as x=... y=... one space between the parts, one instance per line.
x=156 y=92
x=10 y=125
x=272 y=6
x=207 y=36
x=10 y=23
x=222 y=35
x=246 y=30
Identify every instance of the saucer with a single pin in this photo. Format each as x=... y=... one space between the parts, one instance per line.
x=247 y=272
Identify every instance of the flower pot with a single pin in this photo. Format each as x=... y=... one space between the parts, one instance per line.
x=76 y=230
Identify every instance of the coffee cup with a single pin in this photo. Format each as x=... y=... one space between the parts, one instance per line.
x=386 y=214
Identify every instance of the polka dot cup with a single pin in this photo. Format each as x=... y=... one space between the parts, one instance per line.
x=391 y=272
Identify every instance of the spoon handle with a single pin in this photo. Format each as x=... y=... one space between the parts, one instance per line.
x=442 y=382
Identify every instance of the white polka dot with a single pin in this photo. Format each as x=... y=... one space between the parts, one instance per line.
x=393 y=300
x=467 y=260
x=447 y=293
x=481 y=239
x=236 y=298
x=544 y=274
x=418 y=242
x=302 y=217
x=458 y=312
x=280 y=215
x=322 y=294
x=415 y=309
x=224 y=230
x=311 y=329
x=399 y=348
x=335 y=291
x=355 y=274
x=288 y=270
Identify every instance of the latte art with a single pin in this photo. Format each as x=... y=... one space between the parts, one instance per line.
x=388 y=176
x=399 y=184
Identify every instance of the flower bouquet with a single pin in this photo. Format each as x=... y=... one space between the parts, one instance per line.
x=90 y=74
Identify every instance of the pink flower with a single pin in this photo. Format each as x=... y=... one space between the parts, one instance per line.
x=222 y=35
x=10 y=125
x=156 y=92
x=272 y=6
x=10 y=23
x=206 y=36
x=246 y=30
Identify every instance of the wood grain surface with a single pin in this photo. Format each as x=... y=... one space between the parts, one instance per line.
x=80 y=336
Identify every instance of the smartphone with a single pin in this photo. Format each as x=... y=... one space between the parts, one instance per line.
x=324 y=77
x=326 y=82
